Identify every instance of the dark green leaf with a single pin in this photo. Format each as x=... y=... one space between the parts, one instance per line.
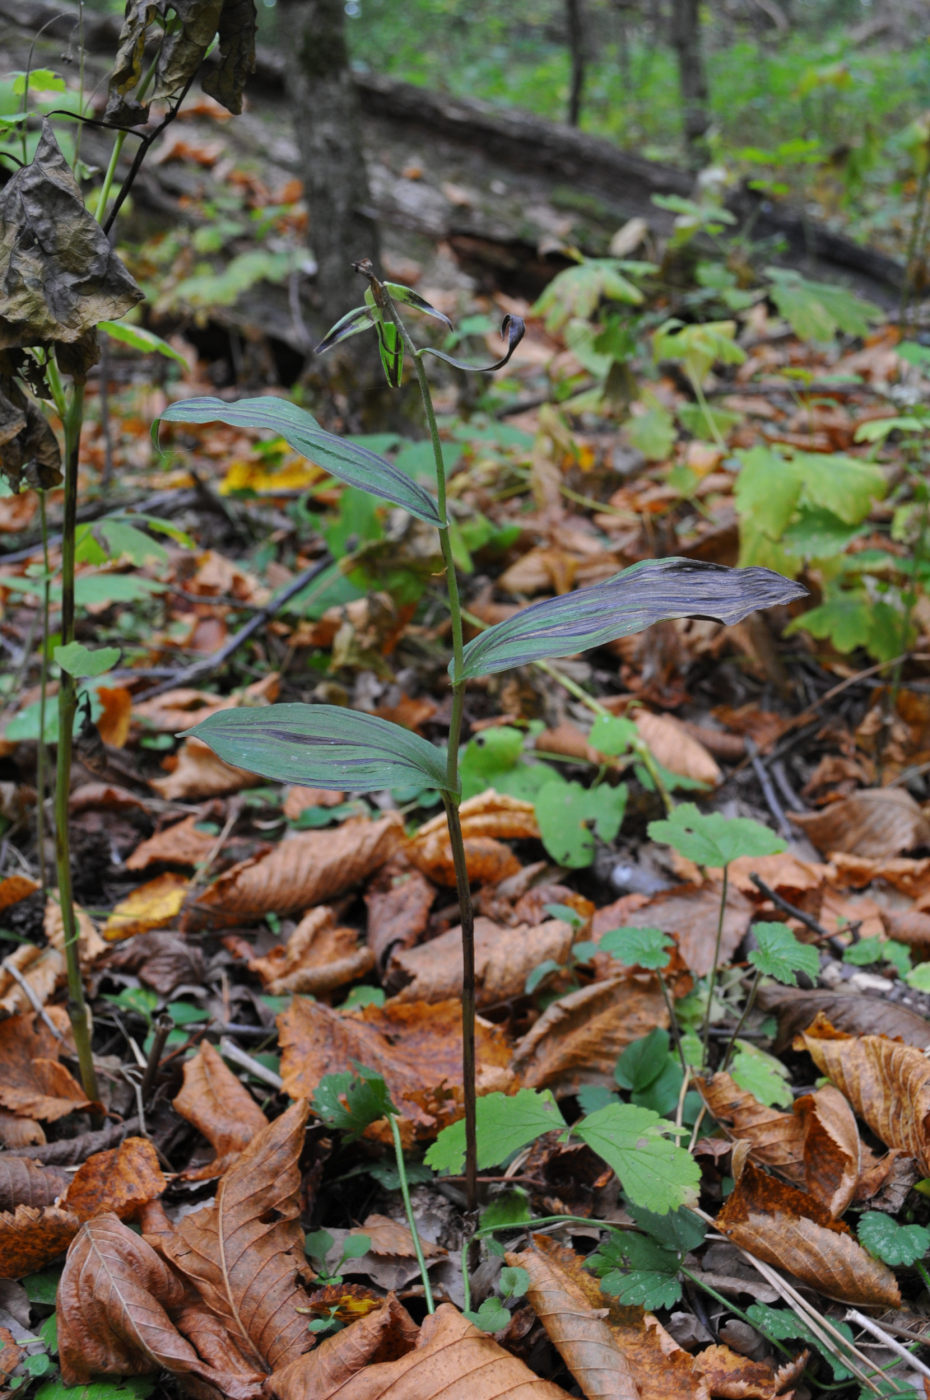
x=347 y=461
x=391 y=349
x=322 y=746
x=894 y=1244
x=361 y=318
x=406 y=295
x=651 y=591
x=781 y=1324
x=506 y=1122
x=513 y=329
x=351 y=1101
x=680 y=1230
x=643 y=1061
x=781 y=955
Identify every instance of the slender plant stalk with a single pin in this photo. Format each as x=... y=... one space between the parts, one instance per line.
x=42 y=751
x=71 y=409
x=712 y=979
x=408 y=1207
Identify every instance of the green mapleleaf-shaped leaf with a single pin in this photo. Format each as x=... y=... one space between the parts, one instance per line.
x=817 y=310
x=653 y=1171
x=711 y=839
x=347 y=461
x=79 y=660
x=351 y=1101
x=894 y=1244
x=651 y=591
x=638 y=947
x=781 y=955
x=571 y=815
x=505 y=1123
x=322 y=746
x=648 y=1276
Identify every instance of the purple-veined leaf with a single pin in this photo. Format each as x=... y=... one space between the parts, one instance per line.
x=648 y=592
x=513 y=329
x=361 y=318
x=323 y=746
x=398 y=292
x=347 y=461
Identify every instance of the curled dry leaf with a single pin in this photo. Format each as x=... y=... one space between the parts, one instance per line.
x=487 y=860
x=17 y=1132
x=40 y=968
x=10 y=1354
x=32 y=1082
x=180 y=844
x=162 y=959
x=488 y=816
x=90 y=945
x=671 y=745
x=848 y=1011
x=792 y=1231
x=184 y=707
x=244 y=1252
x=728 y=1374
x=504 y=958
x=318 y=957
x=218 y=1105
x=308 y=868
x=32 y=1236
x=911 y=926
x=817 y=1145
x=24 y=1182
x=380 y=1336
x=577 y=1039
x=887 y=1083
x=197 y=772
x=121 y=1180
x=415 y=1046
x=114 y=1298
x=875 y=823
x=398 y=910
x=13 y=888
x=152 y=905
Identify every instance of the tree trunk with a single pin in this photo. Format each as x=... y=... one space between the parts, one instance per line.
x=576 y=45
x=692 y=78
x=328 y=125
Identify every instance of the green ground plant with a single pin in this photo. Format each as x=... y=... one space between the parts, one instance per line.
x=330 y=747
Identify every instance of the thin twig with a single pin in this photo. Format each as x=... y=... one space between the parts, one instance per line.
x=882 y=1336
x=258 y=1071
x=768 y=791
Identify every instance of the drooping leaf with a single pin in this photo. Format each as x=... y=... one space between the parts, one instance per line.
x=360 y=318
x=513 y=329
x=505 y=1123
x=651 y=591
x=322 y=746
x=140 y=338
x=408 y=297
x=347 y=461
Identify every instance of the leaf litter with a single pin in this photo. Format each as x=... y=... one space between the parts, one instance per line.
x=283 y=940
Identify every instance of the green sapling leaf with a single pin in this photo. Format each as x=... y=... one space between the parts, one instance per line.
x=350 y=1101
x=571 y=815
x=347 y=461
x=643 y=1060
x=505 y=1123
x=894 y=1244
x=514 y=1282
x=653 y=1171
x=79 y=660
x=781 y=955
x=322 y=746
x=492 y=1316
x=761 y=1075
x=711 y=839
x=651 y=591
x=638 y=947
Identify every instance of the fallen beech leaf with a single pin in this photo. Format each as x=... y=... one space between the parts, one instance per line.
x=10 y=1355
x=504 y=958
x=90 y=945
x=487 y=860
x=876 y=823
x=399 y=913
x=792 y=1231
x=184 y=707
x=298 y=799
x=120 y=1181
x=307 y=868
x=27 y=1183
x=577 y=1039
x=847 y=1011
x=32 y=1082
x=317 y=958
x=911 y=877
x=31 y=1237
x=490 y=814
x=17 y=1132
x=180 y=844
x=149 y=906
x=415 y=1046
x=612 y=1350
x=197 y=772
x=671 y=745
x=389 y=1236
x=887 y=1083
x=41 y=968
x=218 y=1105
x=727 y=1374
x=911 y=926
x=162 y=959
x=13 y=888
x=380 y=1336
x=113 y=1300
x=691 y=913
x=244 y=1252
x=115 y=720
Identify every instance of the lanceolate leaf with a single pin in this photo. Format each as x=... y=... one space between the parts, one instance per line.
x=648 y=592
x=513 y=329
x=361 y=319
x=323 y=746
x=347 y=461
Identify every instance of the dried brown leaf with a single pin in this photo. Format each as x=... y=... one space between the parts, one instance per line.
x=91 y=946
x=197 y=772
x=17 y=1132
x=691 y=913
x=670 y=743
x=244 y=1252
x=876 y=823
x=504 y=958
x=10 y=1354
x=114 y=1297
x=31 y=1237
x=319 y=957
x=887 y=1083
x=32 y=1082
x=847 y=1011
x=792 y=1231
x=487 y=819
x=161 y=959
x=308 y=868
x=149 y=906
x=219 y=1106
x=120 y=1180
x=735 y=1377
x=24 y=1182
x=180 y=844
x=577 y=1039
x=399 y=913
x=378 y=1337
x=13 y=888
x=40 y=968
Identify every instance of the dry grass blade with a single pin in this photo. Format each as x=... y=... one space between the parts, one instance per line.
x=113 y=1319
x=245 y=1250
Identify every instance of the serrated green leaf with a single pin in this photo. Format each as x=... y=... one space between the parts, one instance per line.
x=651 y=591
x=322 y=746
x=713 y=840
x=141 y=339
x=350 y=1101
x=571 y=815
x=124 y=1388
x=894 y=1244
x=679 y=1230
x=845 y=486
x=653 y=1171
x=642 y=1288
x=781 y=955
x=79 y=660
x=784 y=1325
x=762 y=1076
x=345 y=460
x=846 y=619
x=817 y=310
x=638 y=947
x=505 y=1123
